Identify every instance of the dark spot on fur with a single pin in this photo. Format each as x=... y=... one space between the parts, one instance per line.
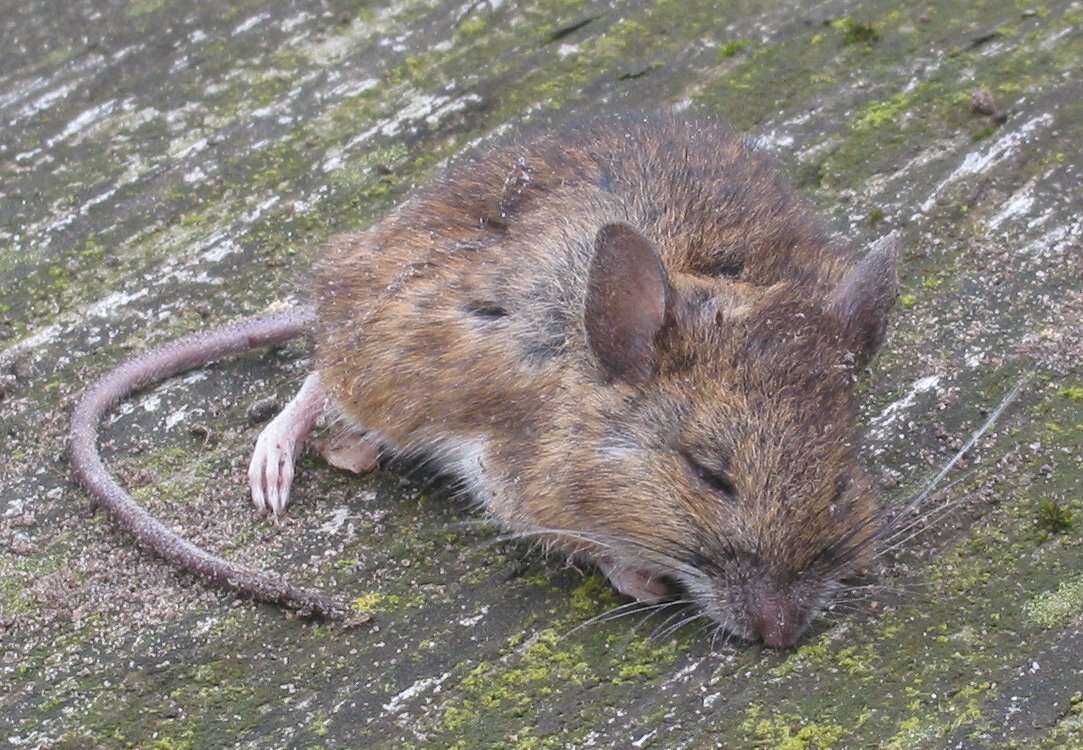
x=487 y=311
x=726 y=265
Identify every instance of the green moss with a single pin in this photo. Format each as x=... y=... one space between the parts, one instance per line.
x=855 y=32
x=93 y=250
x=138 y=8
x=917 y=731
x=320 y=725
x=1072 y=392
x=912 y=733
x=788 y=731
x=1054 y=517
x=810 y=653
x=592 y=596
x=877 y=114
x=731 y=48
x=642 y=659
x=810 y=175
x=1054 y=608
x=908 y=300
x=820 y=655
x=473 y=26
x=17 y=573
x=376 y=601
x=1067 y=734
x=544 y=666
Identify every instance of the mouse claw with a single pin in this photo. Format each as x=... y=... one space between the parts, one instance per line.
x=279 y=495
x=270 y=472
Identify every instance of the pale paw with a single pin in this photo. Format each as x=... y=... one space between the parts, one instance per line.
x=270 y=473
x=351 y=453
x=638 y=583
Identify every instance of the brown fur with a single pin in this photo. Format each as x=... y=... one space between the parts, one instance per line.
x=461 y=317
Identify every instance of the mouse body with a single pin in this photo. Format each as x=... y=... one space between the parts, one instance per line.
x=626 y=339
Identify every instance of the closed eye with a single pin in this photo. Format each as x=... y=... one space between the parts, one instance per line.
x=715 y=480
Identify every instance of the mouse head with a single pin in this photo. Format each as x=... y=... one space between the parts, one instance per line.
x=725 y=456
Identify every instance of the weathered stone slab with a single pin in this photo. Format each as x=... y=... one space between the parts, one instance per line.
x=169 y=166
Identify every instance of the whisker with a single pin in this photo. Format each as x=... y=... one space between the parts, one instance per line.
x=714 y=636
x=600 y=540
x=678 y=625
x=970 y=443
x=646 y=618
x=512 y=536
x=901 y=587
x=623 y=610
x=897 y=543
x=665 y=622
x=895 y=531
x=707 y=625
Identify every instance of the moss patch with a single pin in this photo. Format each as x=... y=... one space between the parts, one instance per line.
x=1058 y=607
x=855 y=32
x=731 y=48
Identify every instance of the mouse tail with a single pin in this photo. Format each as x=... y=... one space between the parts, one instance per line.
x=152 y=367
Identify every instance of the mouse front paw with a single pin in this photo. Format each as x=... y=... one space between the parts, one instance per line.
x=270 y=472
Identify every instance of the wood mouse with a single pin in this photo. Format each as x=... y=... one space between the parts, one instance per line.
x=625 y=338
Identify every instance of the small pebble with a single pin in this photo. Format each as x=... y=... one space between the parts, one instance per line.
x=982 y=102
x=201 y=431
x=21 y=366
x=7 y=386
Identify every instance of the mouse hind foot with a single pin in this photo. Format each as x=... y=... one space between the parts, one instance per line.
x=638 y=583
x=350 y=450
x=270 y=472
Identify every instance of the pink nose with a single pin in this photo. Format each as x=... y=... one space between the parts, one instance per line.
x=776 y=620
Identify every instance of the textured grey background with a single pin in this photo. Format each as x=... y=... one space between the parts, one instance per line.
x=169 y=166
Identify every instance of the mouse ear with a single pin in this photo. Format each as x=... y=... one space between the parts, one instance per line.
x=864 y=299
x=627 y=292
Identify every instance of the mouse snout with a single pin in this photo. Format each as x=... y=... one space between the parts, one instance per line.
x=775 y=618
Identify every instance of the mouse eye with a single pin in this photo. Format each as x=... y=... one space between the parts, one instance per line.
x=716 y=480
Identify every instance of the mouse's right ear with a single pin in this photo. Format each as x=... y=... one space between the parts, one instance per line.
x=627 y=294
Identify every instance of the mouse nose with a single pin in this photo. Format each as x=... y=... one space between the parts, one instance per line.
x=776 y=620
